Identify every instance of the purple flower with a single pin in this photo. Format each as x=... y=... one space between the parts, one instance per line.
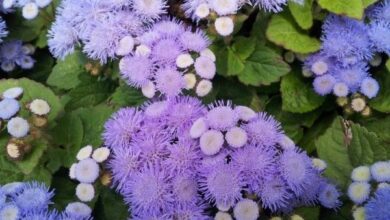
x=3 y=29
x=136 y=70
x=62 y=39
x=221 y=183
x=221 y=116
x=254 y=163
x=120 y=128
x=329 y=196
x=149 y=192
x=185 y=189
x=274 y=193
x=378 y=33
x=381 y=11
x=184 y=157
x=169 y=81
x=32 y=196
x=270 y=5
x=295 y=167
x=160 y=48
x=183 y=112
x=149 y=10
x=123 y=165
x=194 y=41
x=377 y=207
x=152 y=144
x=323 y=85
x=12 y=54
x=369 y=87
x=346 y=39
x=264 y=130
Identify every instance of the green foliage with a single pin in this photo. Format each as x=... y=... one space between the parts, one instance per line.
x=302 y=14
x=366 y=147
x=284 y=32
x=350 y=8
x=382 y=102
x=251 y=71
x=34 y=90
x=332 y=147
x=65 y=74
x=298 y=95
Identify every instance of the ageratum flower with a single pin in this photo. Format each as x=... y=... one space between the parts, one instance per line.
x=32 y=200
x=30 y=9
x=13 y=53
x=100 y=26
x=3 y=29
x=377 y=207
x=148 y=66
x=345 y=71
x=172 y=170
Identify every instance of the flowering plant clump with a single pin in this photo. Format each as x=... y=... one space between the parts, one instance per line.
x=103 y=27
x=222 y=12
x=194 y=109
x=175 y=158
x=189 y=64
x=31 y=200
x=370 y=191
x=22 y=131
x=349 y=47
x=29 y=8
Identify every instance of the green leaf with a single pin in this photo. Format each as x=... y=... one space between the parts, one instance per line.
x=23 y=29
x=365 y=147
x=350 y=8
x=40 y=174
x=382 y=102
x=90 y=92
x=332 y=148
x=32 y=159
x=308 y=212
x=93 y=120
x=64 y=191
x=302 y=13
x=244 y=47
x=235 y=64
x=65 y=74
x=388 y=65
x=315 y=131
x=127 y=96
x=367 y=3
x=33 y=90
x=298 y=95
x=111 y=206
x=285 y=33
x=264 y=66
x=69 y=134
x=380 y=127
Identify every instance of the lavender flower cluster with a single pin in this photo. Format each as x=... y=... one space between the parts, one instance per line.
x=14 y=53
x=17 y=126
x=370 y=191
x=100 y=25
x=30 y=8
x=3 y=29
x=87 y=171
x=168 y=58
x=222 y=12
x=31 y=200
x=176 y=158
x=341 y=67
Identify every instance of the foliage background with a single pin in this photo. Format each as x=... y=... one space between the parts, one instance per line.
x=251 y=71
